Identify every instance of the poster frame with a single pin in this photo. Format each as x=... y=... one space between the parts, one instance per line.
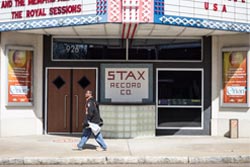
x=22 y=48
x=237 y=105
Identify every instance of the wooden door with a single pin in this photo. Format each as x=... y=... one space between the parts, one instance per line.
x=66 y=98
x=83 y=79
x=58 y=101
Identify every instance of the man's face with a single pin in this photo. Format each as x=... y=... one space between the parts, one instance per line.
x=87 y=94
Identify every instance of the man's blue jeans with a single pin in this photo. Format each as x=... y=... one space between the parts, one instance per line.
x=85 y=136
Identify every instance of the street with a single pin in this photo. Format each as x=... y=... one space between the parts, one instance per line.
x=138 y=165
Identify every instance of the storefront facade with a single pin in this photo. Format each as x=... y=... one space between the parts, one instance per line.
x=156 y=67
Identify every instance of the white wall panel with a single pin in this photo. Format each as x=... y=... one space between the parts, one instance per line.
x=22 y=120
x=222 y=115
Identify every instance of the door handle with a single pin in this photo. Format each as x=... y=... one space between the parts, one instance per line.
x=65 y=111
x=77 y=112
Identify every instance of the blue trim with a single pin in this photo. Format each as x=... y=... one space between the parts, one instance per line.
x=53 y=22
x=201 y=23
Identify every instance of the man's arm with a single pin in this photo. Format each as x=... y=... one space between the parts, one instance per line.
x=90 y=110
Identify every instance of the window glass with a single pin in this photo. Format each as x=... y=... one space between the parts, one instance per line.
x=179 y=117
x=179 y=99
x=89 y=49
x=165 y=49
x=179 y=87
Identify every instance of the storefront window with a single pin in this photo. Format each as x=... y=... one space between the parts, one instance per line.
x=165 y=49
x=89 y=49
x=179 y=98
x=138 y=49
x=172 y=91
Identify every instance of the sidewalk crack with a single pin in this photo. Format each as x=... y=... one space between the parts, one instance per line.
x=129 y=150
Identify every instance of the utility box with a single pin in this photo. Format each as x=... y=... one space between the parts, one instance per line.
x=234 y=128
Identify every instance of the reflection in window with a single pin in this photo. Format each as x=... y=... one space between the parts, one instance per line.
x=179 y=99
x=165 y=49
x=89 y=49
x=179 y=117
x=179 y=87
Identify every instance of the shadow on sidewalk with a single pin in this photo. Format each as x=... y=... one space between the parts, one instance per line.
x=86 y=147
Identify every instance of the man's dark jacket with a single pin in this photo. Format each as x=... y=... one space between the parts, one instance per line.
x=93 y=112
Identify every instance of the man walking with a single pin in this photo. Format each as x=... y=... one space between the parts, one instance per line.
x=91 y=123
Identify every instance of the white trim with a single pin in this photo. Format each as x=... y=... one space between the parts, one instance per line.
x=46 y=94
x=182 y=106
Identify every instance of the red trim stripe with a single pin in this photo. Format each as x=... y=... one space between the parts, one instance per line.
x=123 y=30
x=128 y=32
x=133 y=33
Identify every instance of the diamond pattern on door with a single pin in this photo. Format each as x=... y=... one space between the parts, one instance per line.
x=84 y=82
x=59 y=82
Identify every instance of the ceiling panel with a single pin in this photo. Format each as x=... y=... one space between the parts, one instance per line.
x=165 y=30
x=115 y=30
x=90 y=30
x=196 y=32
x=218 y=32
x=61 y=31
x=35 y=31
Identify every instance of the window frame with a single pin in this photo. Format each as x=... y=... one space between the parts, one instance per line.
x=181 y=106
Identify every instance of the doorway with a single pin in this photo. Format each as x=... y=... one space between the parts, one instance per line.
x=66 y=98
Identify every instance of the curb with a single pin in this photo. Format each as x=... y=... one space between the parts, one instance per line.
x=222 y=159
x=124 y=160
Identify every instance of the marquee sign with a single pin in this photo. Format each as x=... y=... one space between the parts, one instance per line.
x=29 y=14
x=126 y=83
x=229 y=15
x=35 y=9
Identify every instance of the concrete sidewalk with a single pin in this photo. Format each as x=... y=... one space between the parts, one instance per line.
x=51 y=149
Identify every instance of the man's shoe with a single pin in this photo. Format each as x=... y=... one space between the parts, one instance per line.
x=75 y=147
x=101 y=149
x=79 y=148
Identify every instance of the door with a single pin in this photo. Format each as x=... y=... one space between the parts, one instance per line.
x=66 y=101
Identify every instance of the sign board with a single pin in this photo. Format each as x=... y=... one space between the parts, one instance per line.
x=229 y=15
x=226 y=10
x=20 y=76
x=16 y=10
x=35 y=14
x=126 y=83
x=235 y=82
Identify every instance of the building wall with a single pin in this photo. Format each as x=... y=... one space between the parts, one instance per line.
x=15 y=121
x=222 y=115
